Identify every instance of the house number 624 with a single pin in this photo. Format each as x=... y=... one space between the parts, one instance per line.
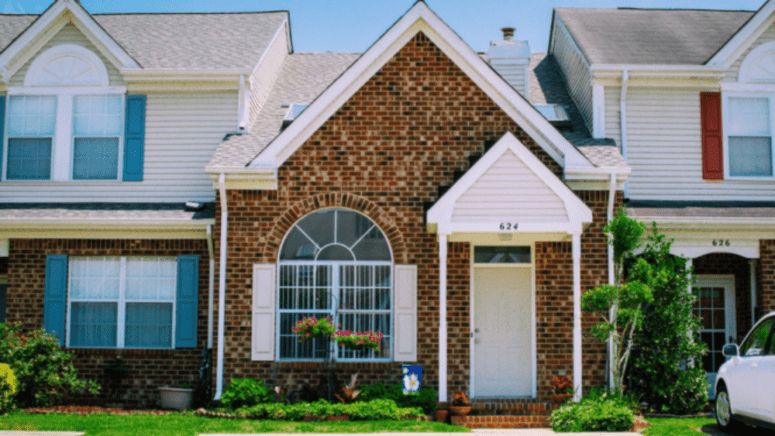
x=721 y=243
x=509 y=226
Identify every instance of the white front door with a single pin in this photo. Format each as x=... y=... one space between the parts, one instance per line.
x=716 y=307
x=502 y=332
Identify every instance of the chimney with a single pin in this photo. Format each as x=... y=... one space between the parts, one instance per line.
x=511 y=58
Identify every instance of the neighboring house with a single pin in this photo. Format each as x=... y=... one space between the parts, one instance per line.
x=687 y=95
x=158 y=168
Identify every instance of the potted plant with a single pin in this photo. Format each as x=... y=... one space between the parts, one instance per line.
x=177 y=398
x=312 y=328
x=562 y=389
x=358 y=340
x=460 y=406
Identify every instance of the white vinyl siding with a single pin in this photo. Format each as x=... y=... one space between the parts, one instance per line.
x=514 y=73
x=575 y=71
x=613 y=123
x=69 y=35
x=263 y=78
x=665 y=151
x=733 y=71
x=183 y=128
x=511 y=191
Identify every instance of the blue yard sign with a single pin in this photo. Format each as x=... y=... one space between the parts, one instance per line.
x=411 y=379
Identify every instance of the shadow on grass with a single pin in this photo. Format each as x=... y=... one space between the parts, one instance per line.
x=742 y=430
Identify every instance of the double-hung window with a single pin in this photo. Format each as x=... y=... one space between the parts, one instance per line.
x=31 y=125
x=97 y=123
x=748 y=131
x=126 y=302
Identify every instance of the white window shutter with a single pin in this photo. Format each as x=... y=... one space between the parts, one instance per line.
x=405 y=339
x=263 y=331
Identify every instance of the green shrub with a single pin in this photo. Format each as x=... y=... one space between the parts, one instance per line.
x=44 y=372
x=380 y=409
x=7 y=387
x=244 y=392
x=425 y=399
x=598 y=412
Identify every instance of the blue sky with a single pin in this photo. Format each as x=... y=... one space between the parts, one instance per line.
x=353 y=25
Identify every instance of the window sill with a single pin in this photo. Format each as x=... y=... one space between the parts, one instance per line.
x=127 y=352
x=61 y=182
x=749 y=179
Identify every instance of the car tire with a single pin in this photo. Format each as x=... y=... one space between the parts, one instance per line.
x=723 y=410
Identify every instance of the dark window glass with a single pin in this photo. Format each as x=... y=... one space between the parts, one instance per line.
x=755 y=342
x=502 y=254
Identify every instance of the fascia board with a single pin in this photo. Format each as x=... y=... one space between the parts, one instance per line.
x=595 y=172
x=420 y=19
x=116 y=50
x=751 y=30
x=34 y=47
x=635 y=68
x=160 y=224
x=710 y=222
x=575 y=208
x=281 y=30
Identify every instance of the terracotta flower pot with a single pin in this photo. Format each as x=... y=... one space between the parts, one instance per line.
x=441 y=415
x=560 y=398
x=460 y=410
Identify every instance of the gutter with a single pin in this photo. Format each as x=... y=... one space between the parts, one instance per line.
x=221 y=288
x=210 y=303
x=623 y=120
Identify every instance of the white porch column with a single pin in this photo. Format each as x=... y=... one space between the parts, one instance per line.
x=752 y=265
x=442 y=317
x=577 y=316
x=688 y=267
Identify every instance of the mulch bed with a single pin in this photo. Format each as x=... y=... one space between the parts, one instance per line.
x=640 y=424
x=91 y=410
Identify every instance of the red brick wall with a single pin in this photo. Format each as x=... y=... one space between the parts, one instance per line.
x=766 y=286
x=384 y=153
x=149 y=369
x=731 y=264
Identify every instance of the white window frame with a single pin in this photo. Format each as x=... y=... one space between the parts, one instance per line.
x=122 y=302
x=725 y=131
x=335 y=290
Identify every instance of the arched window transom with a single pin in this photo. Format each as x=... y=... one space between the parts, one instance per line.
x=336 y=263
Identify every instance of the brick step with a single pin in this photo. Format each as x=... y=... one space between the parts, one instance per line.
x=511 y=408
x=501 y=421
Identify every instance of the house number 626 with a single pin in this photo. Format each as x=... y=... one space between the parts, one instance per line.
x=509 y=226
x=721 y=243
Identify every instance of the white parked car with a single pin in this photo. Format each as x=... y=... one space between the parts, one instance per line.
x=745 y=386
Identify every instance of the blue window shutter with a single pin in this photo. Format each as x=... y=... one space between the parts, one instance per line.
x=55 y=300
x=187 y=299
x=134 y=138
x=2 y=129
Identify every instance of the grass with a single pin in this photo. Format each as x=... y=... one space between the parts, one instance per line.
x=189 y=425
x=679 y=426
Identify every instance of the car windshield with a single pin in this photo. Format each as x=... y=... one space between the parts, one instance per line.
x=756 y=341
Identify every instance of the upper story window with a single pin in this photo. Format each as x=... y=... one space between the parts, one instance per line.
x=66 y=122
x=749 y=136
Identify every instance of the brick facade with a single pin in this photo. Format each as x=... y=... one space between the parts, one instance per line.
x=149 y=369
x=384 y=153
x=766 y=272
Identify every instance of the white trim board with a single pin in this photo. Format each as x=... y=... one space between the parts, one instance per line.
x=420 y=18
x=577 y=212
x=745 y=36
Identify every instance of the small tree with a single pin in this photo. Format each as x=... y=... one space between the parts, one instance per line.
x=620 y=306
x=665 y=369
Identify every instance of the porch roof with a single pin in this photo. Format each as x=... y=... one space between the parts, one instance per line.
x=509 y=190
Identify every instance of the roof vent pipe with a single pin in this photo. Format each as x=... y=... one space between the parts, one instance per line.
x=508 y=33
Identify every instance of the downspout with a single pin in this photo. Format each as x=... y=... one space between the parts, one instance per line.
x=221 y=287
x=611 y=200
x=210 y=303
x=623 y=121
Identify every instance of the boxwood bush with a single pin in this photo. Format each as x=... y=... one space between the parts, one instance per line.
x=600 y=411
x=425 y=399
x=380 y=409
x=7 y=387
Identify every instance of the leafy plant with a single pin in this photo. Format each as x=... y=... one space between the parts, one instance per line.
x=310 y=328
x=243 y=392
x=358 y=340
x=44 y=372
x=599 y=411
x=7 y=387
x=620 y=305
x=664 y=372
x=426 y=399
x=460 y=398
x=562 y=385
x=380 y=409
x=349 y=392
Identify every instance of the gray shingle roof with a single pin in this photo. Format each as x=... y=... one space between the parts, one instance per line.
x=154 y=212
x=650 y=36
x=303 y=77
x=547 y=86
x=179 y=41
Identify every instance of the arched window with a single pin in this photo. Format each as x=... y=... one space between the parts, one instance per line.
x=337 y=263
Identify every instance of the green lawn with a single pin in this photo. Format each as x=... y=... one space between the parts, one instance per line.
x=695 y=427
x=189 y=425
